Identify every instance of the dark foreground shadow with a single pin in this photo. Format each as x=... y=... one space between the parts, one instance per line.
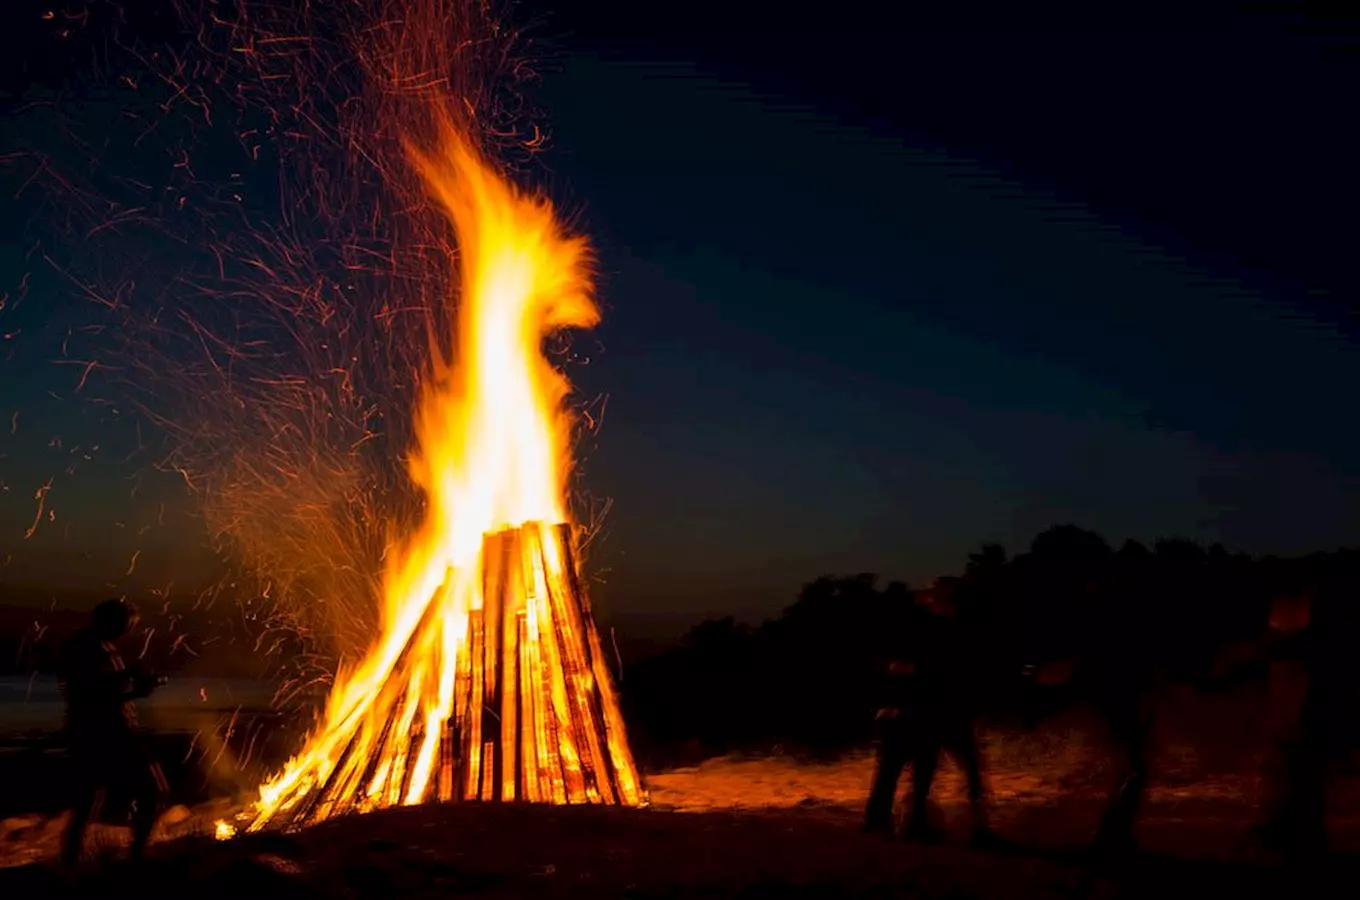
x=1139 y=873
x=521 y=852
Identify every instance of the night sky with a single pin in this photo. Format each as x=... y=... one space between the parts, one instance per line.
x=879 y=287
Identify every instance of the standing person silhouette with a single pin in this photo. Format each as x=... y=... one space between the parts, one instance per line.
x=101 y=728
x=1319 y=634
x=893 y=743
x=934 y=710
x=1309 y=645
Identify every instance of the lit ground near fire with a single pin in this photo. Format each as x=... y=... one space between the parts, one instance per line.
x=736 y=827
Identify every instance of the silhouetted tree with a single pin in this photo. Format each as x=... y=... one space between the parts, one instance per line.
x=1129 y=617
x=989 y=559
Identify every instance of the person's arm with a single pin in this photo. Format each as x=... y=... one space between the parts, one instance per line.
x=112 y=686
x=1284 y=639
x=1054 y=672
x=891 y=686
x=87 y=680
x=144 y=684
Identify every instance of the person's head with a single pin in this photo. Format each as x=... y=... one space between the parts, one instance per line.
x=1291 y=614
x=114 y=618
x=938 y=599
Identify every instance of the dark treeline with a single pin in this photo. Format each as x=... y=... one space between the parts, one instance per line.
x=805 y=681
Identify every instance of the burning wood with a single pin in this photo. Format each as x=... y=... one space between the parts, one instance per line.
x=535 y=716
x=488 y=681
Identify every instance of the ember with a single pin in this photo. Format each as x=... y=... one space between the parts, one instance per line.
x=488 y=681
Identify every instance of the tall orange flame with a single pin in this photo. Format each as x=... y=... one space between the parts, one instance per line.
x=487 y=649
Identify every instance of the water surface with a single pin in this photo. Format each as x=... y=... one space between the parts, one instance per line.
x=35 y=704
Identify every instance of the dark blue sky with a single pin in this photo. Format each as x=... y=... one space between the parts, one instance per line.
x=880 y=288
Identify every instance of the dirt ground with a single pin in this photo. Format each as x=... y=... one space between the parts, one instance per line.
x=771 y=827
x=768 y=827
x=522 y=852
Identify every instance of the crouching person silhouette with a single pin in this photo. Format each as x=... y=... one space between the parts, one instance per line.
x=107 y=749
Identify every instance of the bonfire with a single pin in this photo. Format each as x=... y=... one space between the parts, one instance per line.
x=488 y=680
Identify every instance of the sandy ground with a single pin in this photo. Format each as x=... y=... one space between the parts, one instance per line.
x=769 y=826
x=730 y=827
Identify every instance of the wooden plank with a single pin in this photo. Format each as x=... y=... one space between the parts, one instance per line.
x=510 y=701
x=309 y=805
x=447 y=775
x=473 y=718
x=493 y=616
x=623 y=770
x=535 y=712
x=589 y=782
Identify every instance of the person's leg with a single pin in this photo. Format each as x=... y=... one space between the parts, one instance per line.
x=925 y=760
x=1130 y=727
x=892 y=756
x=149 y=790
x=964 y=749
x=1279 y=830
x=1297 y=827
x=89 y=797
x=1311 y=800
x=1328 y=716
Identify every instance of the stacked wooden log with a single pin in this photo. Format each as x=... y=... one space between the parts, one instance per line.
x=535 y=714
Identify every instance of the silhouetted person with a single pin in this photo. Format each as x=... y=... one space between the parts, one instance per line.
x=935 y=707
x=1321 y=634
x=101 y=728
x=893 y=731
x=1123 y=686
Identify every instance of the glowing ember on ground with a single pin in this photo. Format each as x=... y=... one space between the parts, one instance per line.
x=488 y=680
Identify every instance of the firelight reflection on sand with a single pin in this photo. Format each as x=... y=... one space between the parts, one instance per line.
x=410 y=723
